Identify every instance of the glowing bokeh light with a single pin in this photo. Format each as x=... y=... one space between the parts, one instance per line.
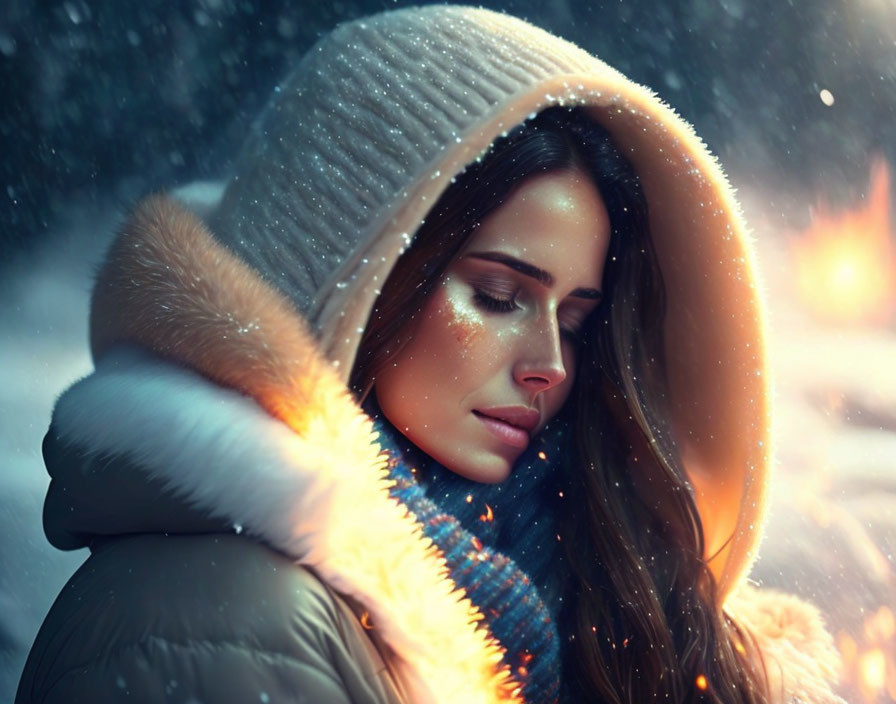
x=845 y=266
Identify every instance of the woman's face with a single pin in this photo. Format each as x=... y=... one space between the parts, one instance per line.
x=493 y=352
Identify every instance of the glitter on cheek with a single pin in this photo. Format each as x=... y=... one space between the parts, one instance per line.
x=464 y=321
x=506 y=333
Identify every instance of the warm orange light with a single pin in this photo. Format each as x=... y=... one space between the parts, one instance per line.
x=880 y=626
x=849 y=650
x=541 y=455
x=488 y=516
x=365 y=620
x=701 y=682
x=845 y=264
x=872 y=671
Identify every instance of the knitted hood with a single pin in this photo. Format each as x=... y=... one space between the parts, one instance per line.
x=269 y=298
x=360 y=141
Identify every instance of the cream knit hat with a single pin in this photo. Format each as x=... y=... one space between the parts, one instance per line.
x=362 y=138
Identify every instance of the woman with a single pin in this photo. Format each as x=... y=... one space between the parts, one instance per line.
x=550 y=319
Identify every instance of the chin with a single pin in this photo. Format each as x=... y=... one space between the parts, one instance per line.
x=492 y=470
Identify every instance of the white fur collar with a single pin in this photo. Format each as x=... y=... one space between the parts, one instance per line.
x=321 y=498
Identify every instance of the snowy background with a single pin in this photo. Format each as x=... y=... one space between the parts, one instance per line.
x=101 y=102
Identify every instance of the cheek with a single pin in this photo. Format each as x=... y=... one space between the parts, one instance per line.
x=463 y=322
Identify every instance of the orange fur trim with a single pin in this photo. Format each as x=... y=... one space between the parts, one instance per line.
x=168 y=286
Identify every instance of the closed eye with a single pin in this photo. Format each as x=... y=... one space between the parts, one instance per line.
x=492 y=303
x=495 y=304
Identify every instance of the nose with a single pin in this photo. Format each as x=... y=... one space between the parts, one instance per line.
x=540 y=366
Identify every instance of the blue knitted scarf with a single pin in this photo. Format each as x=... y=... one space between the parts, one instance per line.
x=500 y=543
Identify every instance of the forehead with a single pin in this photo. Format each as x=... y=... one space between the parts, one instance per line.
x=556 y=221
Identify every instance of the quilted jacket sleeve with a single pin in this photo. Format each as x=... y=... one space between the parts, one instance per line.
x=207 y=618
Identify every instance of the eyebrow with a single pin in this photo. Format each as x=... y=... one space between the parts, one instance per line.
x=530 y=270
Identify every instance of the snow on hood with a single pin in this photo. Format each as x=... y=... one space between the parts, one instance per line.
x=362 y=138
x=356 y=146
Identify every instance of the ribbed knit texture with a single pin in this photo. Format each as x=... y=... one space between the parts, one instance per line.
x=363 y=117
x=500 y=544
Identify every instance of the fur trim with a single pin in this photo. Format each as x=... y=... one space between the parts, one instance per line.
x=314 y=486
x=797 y=651
x=168 y=286
x=321 y=498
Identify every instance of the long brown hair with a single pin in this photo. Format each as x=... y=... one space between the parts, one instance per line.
x=641 y=617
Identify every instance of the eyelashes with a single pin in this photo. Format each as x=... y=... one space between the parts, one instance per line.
x=496 y=304
x=493 y=303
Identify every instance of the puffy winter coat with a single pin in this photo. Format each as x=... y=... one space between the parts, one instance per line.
x=243 y=543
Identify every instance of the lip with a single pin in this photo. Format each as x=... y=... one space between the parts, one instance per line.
x=512 y=425
x=520 y=416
